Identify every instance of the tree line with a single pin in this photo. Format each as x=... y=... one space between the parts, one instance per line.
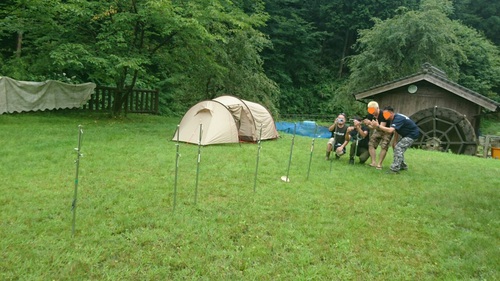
x=293 y=56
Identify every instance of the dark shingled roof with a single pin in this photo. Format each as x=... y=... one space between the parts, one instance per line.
x=435 y=76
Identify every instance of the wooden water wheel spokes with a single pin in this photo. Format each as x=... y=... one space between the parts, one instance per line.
x=442 y=137
x=444 y=129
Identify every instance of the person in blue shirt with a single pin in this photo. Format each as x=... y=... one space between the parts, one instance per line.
x=406 y=132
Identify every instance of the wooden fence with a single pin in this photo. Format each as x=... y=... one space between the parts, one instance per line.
x=487 y=144
x=139 y=101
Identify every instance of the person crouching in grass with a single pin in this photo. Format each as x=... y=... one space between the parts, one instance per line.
x=337 y=142
x=359 y=133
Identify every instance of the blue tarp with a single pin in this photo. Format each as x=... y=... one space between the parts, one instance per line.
x=304 y=128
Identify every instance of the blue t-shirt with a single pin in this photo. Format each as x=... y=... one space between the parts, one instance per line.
x=404 y=126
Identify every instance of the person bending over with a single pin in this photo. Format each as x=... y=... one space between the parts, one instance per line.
x=406 y=129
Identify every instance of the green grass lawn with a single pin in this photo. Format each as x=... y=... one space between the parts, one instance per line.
x=438 y=221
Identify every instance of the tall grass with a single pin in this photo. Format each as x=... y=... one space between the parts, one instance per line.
x=440 y=220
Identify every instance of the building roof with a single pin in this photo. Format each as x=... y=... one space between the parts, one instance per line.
x=437 y=77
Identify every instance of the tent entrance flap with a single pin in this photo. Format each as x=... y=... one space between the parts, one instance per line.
x=205 y=117
x=244 y=122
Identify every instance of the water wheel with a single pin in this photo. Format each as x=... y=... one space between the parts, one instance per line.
x=445 y=129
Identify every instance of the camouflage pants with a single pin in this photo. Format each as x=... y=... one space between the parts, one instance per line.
x=399 y=153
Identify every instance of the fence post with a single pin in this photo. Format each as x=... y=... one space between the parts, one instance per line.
x=157 y=101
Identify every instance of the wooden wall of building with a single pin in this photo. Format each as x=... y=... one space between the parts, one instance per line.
x=427 y=96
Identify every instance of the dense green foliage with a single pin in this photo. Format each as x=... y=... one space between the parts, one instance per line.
x=293 y=56
x=399 y=46
x=190 y=50
x=437 y=221
x=311 y=41
x=482 y=15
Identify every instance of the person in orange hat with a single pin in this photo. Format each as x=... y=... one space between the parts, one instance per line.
x=377 y=137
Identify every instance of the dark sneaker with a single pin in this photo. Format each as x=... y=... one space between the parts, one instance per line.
x=404 y=166
x=351 y=161
x=327 y=158
x=392 y=172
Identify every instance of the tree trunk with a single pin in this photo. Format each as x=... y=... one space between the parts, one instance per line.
x=117 y=102
x=344 y=53
x=122 y=93
x=19 y=43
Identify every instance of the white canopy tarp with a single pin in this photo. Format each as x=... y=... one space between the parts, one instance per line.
x=19 y=96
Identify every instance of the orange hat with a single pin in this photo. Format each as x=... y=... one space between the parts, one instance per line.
x=372 y=107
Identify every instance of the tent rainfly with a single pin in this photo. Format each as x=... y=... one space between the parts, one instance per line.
x=226 y=119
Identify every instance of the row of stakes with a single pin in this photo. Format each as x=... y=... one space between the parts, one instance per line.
x=177 y=155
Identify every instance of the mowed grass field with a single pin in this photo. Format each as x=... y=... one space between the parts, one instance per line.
x=438 y=221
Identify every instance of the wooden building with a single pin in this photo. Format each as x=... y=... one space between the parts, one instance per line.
x=447 y=113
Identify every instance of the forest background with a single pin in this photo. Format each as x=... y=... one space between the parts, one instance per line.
x=293 y=56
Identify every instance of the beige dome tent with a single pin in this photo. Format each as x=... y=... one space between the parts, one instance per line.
x=226 y=119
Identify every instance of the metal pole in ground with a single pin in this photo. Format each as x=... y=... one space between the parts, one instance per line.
x=356 y=147
x=258 y=156
x=312 y=149
x=176 y=167
x=286 y=178
x=333 y=146
x=198 y=165
x=77 y=162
